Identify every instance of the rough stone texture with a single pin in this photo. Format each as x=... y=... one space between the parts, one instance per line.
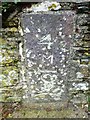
x=47 y=54
x=49 y=111
x=78 y=72
x=9 y=65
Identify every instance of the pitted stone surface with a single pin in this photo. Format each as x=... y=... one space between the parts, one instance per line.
x=77 y=70
x=48 y=39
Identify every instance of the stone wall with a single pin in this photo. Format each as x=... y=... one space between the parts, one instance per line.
x=10 y=67
x=16 y=84
x=78 y=69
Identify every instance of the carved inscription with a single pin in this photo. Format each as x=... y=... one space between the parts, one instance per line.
x=47 y=48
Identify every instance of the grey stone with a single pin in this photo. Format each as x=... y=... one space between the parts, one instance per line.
x=48 y=39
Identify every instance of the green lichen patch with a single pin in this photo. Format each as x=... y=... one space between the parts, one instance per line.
x=64 y=113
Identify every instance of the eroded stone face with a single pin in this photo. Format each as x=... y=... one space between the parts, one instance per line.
x=48 y=40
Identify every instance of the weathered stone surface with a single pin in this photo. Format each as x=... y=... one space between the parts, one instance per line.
x=72 y=73
x=9 y=68
x=48 y=40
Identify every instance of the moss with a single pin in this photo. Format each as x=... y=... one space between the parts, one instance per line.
x=26 y=113
x=52 y=6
